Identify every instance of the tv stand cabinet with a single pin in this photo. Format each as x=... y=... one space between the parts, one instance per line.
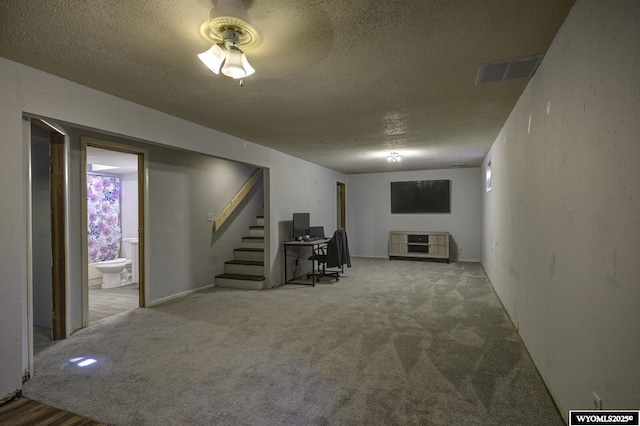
x=424 y=245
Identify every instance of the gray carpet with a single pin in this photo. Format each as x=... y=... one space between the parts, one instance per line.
x=400 y=342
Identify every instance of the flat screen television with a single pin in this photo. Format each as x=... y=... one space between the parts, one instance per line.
x=421 y=196
x=301 y=224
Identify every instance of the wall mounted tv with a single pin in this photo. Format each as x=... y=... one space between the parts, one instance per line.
x=421 y=196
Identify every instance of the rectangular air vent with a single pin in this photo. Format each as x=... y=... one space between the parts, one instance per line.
x=514 y=69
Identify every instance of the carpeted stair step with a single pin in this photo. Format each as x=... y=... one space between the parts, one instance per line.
x=260 y=220
x=244 y=267
x=240 y=281
x=253 y=242
x=248 y=253
x=256 y=231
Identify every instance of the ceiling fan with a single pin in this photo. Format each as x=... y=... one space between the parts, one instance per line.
x=229 y=31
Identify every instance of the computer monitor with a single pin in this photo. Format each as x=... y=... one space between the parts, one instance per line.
x=316 y=231
x=301 y=224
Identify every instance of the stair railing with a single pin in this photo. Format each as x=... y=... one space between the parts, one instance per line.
x=236 y=201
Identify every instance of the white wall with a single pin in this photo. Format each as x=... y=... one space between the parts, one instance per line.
x=129 y=205
x=561 y=225
x=369 y=217
x=25 y=90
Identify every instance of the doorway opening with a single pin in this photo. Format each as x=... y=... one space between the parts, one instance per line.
x=114 y=274
x=47 y=234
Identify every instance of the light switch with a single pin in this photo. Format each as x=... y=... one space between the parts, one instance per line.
x=209 y=217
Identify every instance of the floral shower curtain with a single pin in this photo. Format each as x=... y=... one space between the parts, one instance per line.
x=103 y=209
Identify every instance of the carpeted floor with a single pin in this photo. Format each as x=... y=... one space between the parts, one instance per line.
x=393 y=342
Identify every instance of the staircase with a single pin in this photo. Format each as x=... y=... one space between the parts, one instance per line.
x=246 y=270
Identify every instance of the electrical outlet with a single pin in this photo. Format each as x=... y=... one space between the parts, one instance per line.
x=597 y=402
x=209 y=217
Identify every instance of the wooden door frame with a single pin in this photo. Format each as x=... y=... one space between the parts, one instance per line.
x=142 y=155
x=26 y=140
x=343 y=204
x=58 y=150
x=58 y=208
x=141 y=227
x=58 y=192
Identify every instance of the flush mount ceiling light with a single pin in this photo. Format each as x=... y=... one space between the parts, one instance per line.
x=229 y=30
x=102 y=167
x=394 y=157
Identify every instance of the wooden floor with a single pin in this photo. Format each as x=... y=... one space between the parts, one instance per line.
x=23 y=411
x=107 y=302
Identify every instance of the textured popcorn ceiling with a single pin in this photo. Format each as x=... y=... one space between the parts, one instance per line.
x=339 y=83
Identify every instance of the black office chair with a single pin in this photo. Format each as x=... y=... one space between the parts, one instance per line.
x=324 y=254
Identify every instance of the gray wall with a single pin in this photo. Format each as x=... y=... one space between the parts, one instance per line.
x=561 y=224
x=129 y=205
x=369 y=217
x=308 y=188
x=183 y=187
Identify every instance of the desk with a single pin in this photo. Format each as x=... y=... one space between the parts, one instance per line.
x=315 y=244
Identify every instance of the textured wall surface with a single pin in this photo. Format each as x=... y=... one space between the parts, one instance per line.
x=370 y=220
x=561 y=224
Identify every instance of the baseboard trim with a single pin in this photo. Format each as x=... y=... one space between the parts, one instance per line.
x=178 y=295
x=386 y=257
x=11 y=396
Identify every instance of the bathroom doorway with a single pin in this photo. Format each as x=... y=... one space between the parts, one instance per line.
x=114 y=279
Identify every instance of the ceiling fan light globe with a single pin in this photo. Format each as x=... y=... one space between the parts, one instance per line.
x=233 y=66
x=213 y=58
x=247 y=67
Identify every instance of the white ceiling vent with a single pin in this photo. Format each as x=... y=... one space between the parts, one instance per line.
x=514 y=69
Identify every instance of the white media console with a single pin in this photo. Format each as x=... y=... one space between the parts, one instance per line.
x=425 y=245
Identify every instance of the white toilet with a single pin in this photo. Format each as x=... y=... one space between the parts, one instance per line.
x=111 y=271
